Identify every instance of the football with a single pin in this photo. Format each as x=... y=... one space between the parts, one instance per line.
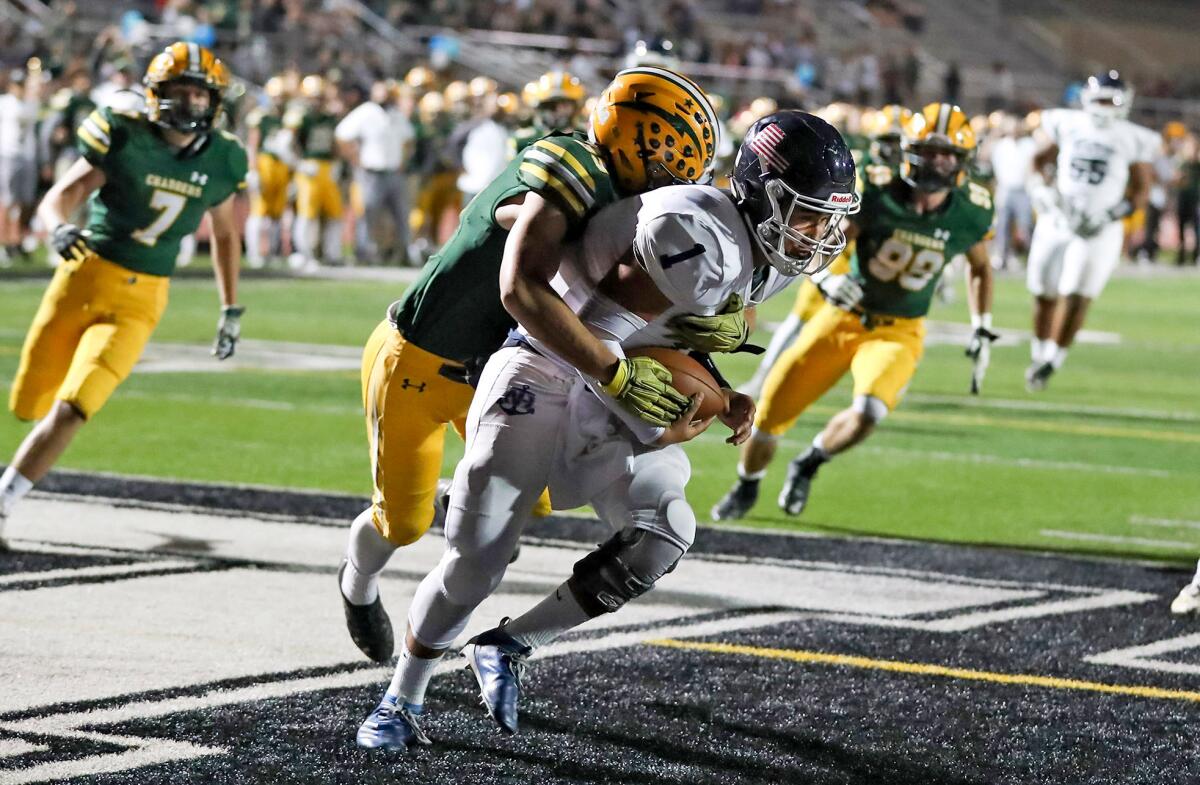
x=687 y=376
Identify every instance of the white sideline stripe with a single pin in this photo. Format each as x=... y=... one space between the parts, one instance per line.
x=1117 y=540
x=1143 y=656
x=93 y=572
x=968 y=621
x=1044 y=406
x=1170 y=523
x=11 y=748
x=145 y=752
x=1023 y=463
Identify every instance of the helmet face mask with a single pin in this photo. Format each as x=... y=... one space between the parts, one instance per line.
x=937 y=146
x=1106 y=97
x=928 y=166
x=794 y=183
x=175 y=79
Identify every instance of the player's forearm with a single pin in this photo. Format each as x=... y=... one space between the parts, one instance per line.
x=227 y=252
x=540 y=310
x=59 y=203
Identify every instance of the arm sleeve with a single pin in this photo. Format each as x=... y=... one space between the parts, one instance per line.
x=557 y=168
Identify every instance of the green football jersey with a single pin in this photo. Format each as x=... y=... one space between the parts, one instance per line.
x=151 y=198
x=268 y=124
x=523 y=137
x=453 y=309
x=900 y=253
x=314 y=133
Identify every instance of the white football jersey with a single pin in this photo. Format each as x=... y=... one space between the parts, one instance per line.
x=1094 y=158
x=691 y=240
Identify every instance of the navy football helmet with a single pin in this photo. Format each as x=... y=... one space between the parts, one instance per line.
x=792 y=169
x=1107 y=96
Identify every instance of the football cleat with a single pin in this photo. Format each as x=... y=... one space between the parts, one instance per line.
x=498 y=662
x=735 y=504
x=1037 y=376
x=368 y=625
x=793 y=498
x=391 y=727
x=1187 y=601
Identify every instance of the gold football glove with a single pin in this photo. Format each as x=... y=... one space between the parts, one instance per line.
x=643 y=386
x=722 y=332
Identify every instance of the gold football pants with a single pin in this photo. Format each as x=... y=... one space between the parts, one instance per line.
x=408 y=404
x=273 y=177
x=94 y=321
x=882 y=360
x=318 y=196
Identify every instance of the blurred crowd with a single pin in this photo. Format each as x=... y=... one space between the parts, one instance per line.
x=350 y=152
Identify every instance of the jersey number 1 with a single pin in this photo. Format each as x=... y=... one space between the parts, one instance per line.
x=170 y=205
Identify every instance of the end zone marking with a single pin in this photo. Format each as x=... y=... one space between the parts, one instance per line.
x=929 y=669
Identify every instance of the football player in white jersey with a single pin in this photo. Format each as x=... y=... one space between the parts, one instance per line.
x=1102 y=173
x=671 y=267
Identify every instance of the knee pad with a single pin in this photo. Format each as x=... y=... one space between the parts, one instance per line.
x=870 y=407
x=624 y=567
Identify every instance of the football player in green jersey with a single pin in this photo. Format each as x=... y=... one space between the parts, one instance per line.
x=271 y=162
x=318 y=196
x=873 y=322
x=150 y=176
x=651 y=127
x=555 y=99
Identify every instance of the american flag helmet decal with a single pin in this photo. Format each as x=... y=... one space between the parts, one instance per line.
x=765 y=144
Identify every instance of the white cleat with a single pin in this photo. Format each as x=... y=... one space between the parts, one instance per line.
x=1187 y=601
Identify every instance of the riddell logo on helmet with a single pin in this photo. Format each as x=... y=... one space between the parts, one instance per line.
x=841 y=198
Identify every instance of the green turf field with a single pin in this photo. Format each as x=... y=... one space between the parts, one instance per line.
x=1107 y=460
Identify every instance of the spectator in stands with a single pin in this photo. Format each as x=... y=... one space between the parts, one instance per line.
x=952 y=84
x=375 y=139
x=19 y=108
x=1001 y=90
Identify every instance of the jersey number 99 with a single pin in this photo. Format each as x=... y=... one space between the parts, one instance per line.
x=900 y=262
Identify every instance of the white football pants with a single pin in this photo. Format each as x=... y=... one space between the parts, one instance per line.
x=1062 y=263
x=532 y=425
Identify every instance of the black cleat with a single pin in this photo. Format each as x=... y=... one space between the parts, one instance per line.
x=735 y=504
x=1037 y=376
x=794 y=496
x=368 y=625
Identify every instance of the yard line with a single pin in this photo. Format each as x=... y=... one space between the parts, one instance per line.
x=1170 y=523
x=1045 y=406
x=932 y=669
x=94 y=572
x=1117 y=540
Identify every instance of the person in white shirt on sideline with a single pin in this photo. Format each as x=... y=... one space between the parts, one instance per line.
x=485 y=153
x=18 y=157
x=374 y=138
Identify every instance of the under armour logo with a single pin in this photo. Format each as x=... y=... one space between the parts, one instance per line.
x=941 y=234
x=200 y=177
x=518 y=400
x=407 y=384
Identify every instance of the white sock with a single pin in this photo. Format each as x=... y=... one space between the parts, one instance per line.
x=818 y=444
x=548 y=620
x=254 y=255
x=1035 y=349
x=367 y=553
x=13 y=486
x=332 y=240
x=745 y=475
x=411 y=678
x=1058 y=357
x=1196 y=577
x=307 y=232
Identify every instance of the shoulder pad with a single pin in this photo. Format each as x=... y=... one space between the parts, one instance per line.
x=687 y=240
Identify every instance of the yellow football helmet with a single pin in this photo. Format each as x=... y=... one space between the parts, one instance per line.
x=419 y=78
x=557 y=86
x=184 y=62
x=275 y=88
x=430 y=106
x=885 y=127
x=657 y=127
x=481 y=86
x=312 y=87
x=938 y=129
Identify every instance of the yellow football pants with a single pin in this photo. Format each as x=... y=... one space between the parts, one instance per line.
x=437 y=194
x=808 y=297
x=318 y=196
x=408 y=404
x=882 y=360
x=273 y=177
x=94 y=321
